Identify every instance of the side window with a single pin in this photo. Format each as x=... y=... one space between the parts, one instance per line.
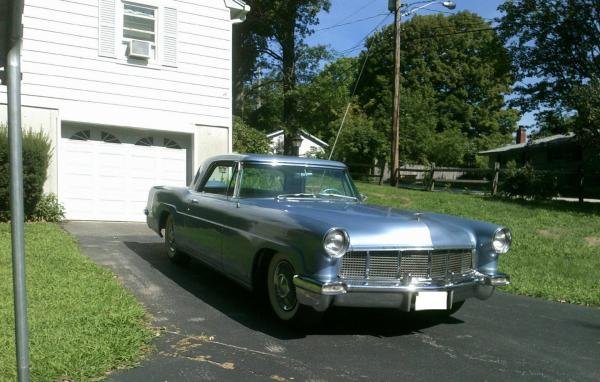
x=220 y=180
x=261 y=182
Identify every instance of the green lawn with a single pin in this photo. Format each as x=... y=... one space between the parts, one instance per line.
x=82 y=323
x=556 y=245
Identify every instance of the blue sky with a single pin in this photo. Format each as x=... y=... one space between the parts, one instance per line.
x=350 y=12
x=361 y=16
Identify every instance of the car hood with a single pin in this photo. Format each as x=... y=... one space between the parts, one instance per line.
x=374 y=227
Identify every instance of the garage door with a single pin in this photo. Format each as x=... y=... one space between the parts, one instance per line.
x=106 y=174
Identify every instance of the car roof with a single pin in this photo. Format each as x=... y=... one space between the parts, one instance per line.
x=274 y=159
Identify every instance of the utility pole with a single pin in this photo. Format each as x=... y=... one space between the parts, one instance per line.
x=395 y=160
x=11 y=35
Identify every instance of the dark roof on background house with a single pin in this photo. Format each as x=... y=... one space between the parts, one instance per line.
x=553 y=139
x=304 y=134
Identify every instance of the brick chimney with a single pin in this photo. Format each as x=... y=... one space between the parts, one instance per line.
x=521 y=135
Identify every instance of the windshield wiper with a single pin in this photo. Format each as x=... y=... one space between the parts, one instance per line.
x=299 y=195
x=340 y=196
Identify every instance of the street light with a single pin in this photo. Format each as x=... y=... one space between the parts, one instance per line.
x=394 y=6
x=296 y=143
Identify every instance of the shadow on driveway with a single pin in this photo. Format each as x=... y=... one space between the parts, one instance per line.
x=253 y=312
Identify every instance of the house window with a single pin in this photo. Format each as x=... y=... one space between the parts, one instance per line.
x=82 y=135
x=109 y=138
x=139 y=22
x=171 y=144
x=147 y=141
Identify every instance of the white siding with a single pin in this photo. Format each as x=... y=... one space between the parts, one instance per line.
x=63 y=68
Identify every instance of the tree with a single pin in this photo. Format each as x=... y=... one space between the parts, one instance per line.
x=324 y=98
x=277 y=29
x=555 y=45
x=585 y=99
x=455 y=74
x=359 y=142
x=248 y=140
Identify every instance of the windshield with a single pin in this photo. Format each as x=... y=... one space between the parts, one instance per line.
x=289 y=181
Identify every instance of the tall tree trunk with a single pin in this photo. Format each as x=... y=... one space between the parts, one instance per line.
x=288 y=52
x=237 y=98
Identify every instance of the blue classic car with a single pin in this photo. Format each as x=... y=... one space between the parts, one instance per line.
x=298 y=230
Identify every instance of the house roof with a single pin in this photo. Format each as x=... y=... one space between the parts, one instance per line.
x=304 y=134
x=553 y=139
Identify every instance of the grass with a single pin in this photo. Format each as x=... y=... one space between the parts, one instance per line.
x=82 y=323
x=556 y=245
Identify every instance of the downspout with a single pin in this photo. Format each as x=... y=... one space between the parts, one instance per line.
x=237 y=13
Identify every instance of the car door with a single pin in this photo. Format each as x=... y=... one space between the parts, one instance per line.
x=204 y=219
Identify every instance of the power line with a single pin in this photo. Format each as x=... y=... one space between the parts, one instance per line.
x=450 y=34
x=349 y=102
x=358 y=10
x=359 y=43
x=426 y=37
x=350 y=22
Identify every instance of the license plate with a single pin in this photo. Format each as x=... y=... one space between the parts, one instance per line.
x=431 y=301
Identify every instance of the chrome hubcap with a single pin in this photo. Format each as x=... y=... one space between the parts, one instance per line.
x=282 y=282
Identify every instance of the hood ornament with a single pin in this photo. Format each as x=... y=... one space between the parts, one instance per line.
x=418 y=216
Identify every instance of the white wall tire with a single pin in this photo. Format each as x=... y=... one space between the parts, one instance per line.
x=282 y=295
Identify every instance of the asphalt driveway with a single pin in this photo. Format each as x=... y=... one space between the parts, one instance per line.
x=208 y=328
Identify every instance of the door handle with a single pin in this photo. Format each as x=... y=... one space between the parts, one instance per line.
x=194 y=201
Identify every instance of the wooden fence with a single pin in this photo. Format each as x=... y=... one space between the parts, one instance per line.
x=451 y=176
x=574 y=183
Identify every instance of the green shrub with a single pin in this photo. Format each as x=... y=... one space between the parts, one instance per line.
x=36 y=157
x=48 y=209
x=248 y=140
x=526 y=182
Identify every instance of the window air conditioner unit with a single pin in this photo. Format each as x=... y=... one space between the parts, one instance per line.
x=139 y=49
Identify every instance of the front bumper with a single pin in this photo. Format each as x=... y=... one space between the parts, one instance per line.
x=360 y=293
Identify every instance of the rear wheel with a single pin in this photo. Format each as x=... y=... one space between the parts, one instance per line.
x=174 y=254
x=282 y=295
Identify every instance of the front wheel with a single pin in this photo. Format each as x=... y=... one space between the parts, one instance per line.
x=282 y=295
x=174 y=254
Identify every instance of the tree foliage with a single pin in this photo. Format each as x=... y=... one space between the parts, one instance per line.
x=248 y=140
x=453 y=87
x=359 y=142
x=555 y=45
x=277 y=29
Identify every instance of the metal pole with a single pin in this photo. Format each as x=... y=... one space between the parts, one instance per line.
x=395 y=161
x=13 y=76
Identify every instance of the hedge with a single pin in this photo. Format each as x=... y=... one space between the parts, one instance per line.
x=36 y=157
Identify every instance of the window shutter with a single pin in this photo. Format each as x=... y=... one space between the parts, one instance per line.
x=169 y=40
x=106 y=28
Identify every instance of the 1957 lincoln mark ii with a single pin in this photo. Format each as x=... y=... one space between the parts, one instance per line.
x=298 y=230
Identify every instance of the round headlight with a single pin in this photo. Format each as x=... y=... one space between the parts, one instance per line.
x=336 y=242
x=502 y=240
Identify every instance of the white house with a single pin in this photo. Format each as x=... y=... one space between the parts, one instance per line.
x=131 y=93
x=310 y=146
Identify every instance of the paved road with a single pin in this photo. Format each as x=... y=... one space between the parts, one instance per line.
x=211 y=329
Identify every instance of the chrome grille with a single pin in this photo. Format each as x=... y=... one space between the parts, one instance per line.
x=354 y=265
x=394 y=265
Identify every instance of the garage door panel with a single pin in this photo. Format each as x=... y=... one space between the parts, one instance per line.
x=110 y=181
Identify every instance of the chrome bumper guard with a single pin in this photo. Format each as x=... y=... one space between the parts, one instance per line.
x=368 y=293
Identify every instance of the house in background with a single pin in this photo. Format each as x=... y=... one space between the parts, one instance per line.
x=132 y=94
x=310 y=146
x=555 y=152
x=574 y=167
